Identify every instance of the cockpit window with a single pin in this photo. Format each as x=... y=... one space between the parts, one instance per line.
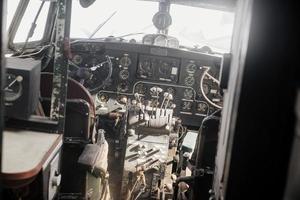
x=11 y=9
x=132 y=19
x=28 y=18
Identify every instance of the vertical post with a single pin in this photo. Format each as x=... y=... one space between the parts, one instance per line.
x=2 y=77
x=60 y=71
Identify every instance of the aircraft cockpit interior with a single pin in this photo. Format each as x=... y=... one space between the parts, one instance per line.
x=147 y=99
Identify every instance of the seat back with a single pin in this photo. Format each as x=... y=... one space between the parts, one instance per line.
x=204 y=156
x=207 y=143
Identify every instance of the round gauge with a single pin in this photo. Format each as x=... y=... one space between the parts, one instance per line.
x=77 y=59
x=187 y=106
x=145 y=68
x=165 y=69
x=13 y=89
x=161 y=40
x=122 y=87
x=140 y=89
x=148 y=39
x=162 y=20
x=155 y=91
x=173 y=42
x=188 y=94
x=124 y=74
x=102 y=97
x=125 y=60
x=202 y=108
x=191 y=68
x=189 y=81
x=122 y=99
x=171 y=90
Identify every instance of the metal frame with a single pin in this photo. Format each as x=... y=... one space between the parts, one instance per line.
x=258 y=117
x=19 y=13
x=228 y=5
x=60 y=71
x=2 y=76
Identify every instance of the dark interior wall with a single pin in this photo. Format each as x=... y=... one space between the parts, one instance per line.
x=2 y=71
x=264 y=129
x=293 y=182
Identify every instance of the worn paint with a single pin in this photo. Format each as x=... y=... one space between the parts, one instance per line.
x=60 y=71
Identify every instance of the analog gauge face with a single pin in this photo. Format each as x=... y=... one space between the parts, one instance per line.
x=140 y=89
x=13 y=89
x=145 y=68
x=173 y=43
x=187 y=106
x=122 y=87
x=102 y=97
x=191 y=68
x=155 y=91
x=188 y=94
x=125 y=60
x=124 y=74
x=77 y=59
x=148 y=39
x=202 y=108
x=122 y=99
x=162 y=20
x=189 y=81
x=171 y=90
x=161 y=40
x=165 y=69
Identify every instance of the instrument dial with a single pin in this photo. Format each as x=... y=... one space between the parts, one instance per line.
x=189 y=81
x=102 y=97
x=145 y=68
x=148 y=39
x=191 y=68
x=13 y=89
x=173 y=42
x=161 y=40
x=155 y=91
x=124 y=74
x=77 y=59
x=165 y=69
x=187 y=106
x=188 y=94
x=202 y=108
x=140 y=89
x=125 y=60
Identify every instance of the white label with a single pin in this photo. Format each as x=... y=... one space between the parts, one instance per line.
x=213 y=91
x=174 y=71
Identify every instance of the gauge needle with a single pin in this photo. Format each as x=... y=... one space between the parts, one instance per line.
x=18 y=79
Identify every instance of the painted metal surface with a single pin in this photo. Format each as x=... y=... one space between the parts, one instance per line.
x=60 y=70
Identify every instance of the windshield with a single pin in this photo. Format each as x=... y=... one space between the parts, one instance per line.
x=192 y=26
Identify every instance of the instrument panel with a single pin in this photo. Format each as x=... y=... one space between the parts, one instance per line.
x=117 y=70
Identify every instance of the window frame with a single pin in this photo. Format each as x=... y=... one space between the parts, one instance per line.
x=16 y=21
